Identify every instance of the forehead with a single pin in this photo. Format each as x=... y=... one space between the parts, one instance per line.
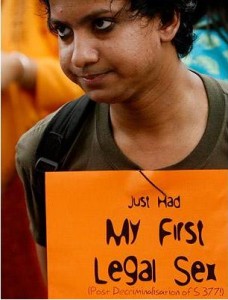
x=80 y=8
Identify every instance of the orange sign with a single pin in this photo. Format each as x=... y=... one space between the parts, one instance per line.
x=137 y=234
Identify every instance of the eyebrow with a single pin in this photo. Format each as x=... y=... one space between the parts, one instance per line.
x=91 y=16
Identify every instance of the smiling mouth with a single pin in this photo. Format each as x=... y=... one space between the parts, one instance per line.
x=93 y=78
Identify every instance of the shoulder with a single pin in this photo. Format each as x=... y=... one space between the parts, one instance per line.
x=224 y=86
x=214 y=85
x=217 y=92
x=71 y=112
x=222 y=89
x=28 y=142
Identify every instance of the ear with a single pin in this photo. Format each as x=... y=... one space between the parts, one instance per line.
x=169 y=30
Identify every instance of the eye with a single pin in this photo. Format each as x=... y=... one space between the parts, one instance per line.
x=62 y=31
x=103 y=24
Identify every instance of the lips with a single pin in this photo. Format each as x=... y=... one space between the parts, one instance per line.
x=93 y=78
x=92 y=74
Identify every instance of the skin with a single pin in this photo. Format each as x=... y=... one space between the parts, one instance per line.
x=13 y=71
x=133 y=66
x=87 y=50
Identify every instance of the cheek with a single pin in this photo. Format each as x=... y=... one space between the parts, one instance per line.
x=130 y=55
x=132 y=61
x=65 y=55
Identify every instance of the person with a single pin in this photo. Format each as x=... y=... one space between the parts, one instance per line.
x=210 y=51
x=151 y=112
x=32 y=82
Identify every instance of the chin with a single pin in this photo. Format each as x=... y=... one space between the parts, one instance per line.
x=102 y=97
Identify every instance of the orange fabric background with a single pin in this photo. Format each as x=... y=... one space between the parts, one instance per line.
x=24 y=29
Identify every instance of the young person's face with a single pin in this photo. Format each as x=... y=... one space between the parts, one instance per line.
x=111 y=55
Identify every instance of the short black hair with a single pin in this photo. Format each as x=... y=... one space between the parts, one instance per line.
x=166 y=9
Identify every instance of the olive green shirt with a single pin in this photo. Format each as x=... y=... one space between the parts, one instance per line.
x=95 y=149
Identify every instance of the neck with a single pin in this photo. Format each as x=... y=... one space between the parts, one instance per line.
x=171 y=99
x=162 y=128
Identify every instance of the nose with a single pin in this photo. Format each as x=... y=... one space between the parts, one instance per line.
x=84 y=52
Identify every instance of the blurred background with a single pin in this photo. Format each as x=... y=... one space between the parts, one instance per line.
x=32 y=85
